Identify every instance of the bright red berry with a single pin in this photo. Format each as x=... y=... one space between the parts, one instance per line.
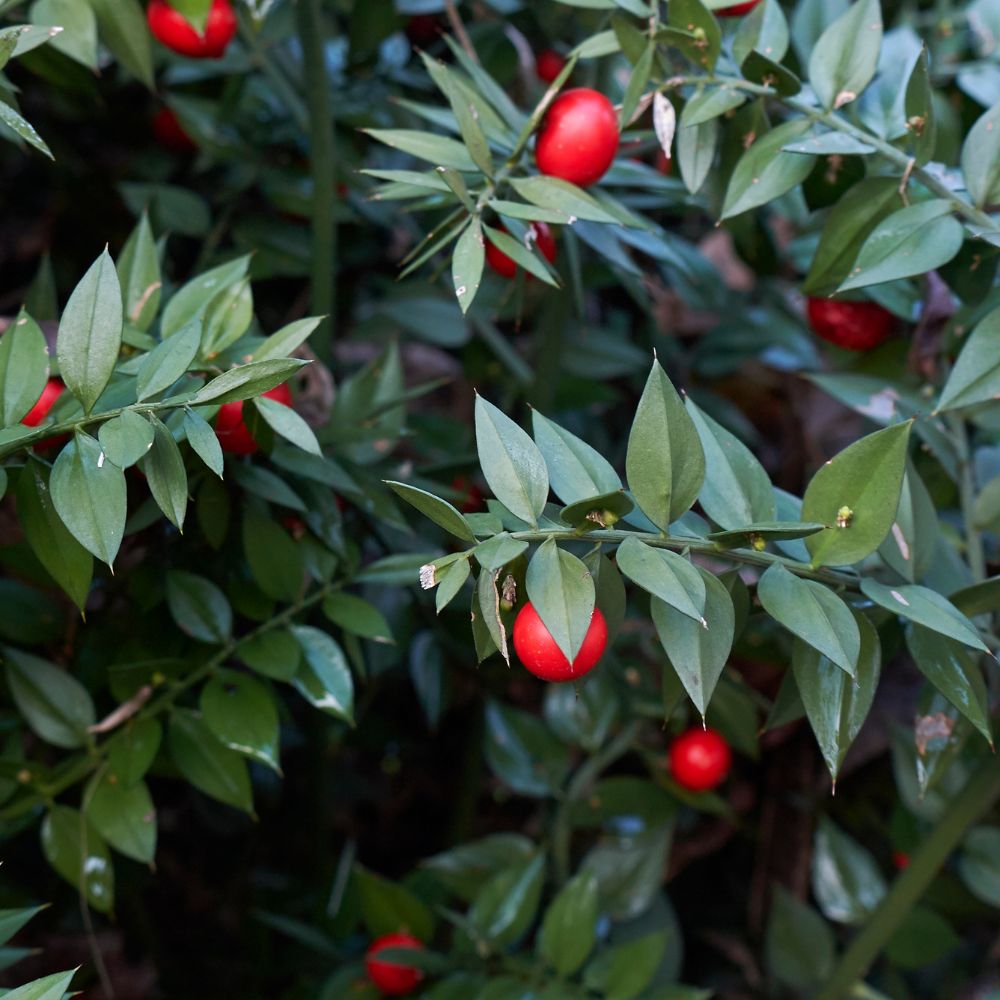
x=578 y=138
x=538 y=651
x=170 y=28
x=392 y=979
x=856 y=326
x=700 y=759
x=737 y=9
x=505 y=266
x=54 y=388
x=231 y=430
x=549 y=64
x=170 y=133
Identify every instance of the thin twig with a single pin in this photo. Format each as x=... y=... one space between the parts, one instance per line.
x=455 y=19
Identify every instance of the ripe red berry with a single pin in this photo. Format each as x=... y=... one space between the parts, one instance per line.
x=233 y=434
x=737 y=9
x=170 y=28
x=170 y=133
x=538 y=651
x=700 y=759
x=549 y=64
x=900 y=860
x=856 y=326
x=54 y=388
x=578 y=138
x=664 y=164
x=392 y=979
x=505 y=266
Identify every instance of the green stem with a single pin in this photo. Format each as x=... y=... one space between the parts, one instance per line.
x=312 y=37
x=562 y=831
x=967 y=496
x=836 y=578
x=77 y=770
x=262 y=59
x=964 y=810
x=838 y=123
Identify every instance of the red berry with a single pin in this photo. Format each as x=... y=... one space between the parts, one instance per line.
x=900 y=859
x=505 y=266
x=538 y=651
x=700 y=759
x=170 y=28
x=737 y=9
x=578 y=138
x=422 y=29
x=549 y=64
x=664 y=163
x=233 y=434
x=856 y=326
x=473 y=495
x=54 y=388
x=392 y=979
x=170 y=133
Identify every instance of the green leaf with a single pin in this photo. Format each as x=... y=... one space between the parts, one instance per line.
x=511 y=462
x=814 y=613
x=123 y=30
x=165 y=473
x=79 y=854
x=836 y=704
x=736 y=490
x=436 y=149
x=287 y=339
x=665 y=575
x=753 y=535
x=562 y=591
x=388 y=908
x=78 y=37
x=358 y=616
x=763 y=30
x=53 y=987
x=139 y=276
x=910 y=546
x=442 y=513
x=696 y=146
x=597 y=512
x=467 y=263
x=465 y=110
x=977 y=864
x=850 y=222
x=212 y=768
x=628 y=969
x=926 y=607
x=24 y=369
x=758 y=68
x=88 y=493
x=845 y=56
x=498 y=551
x=914 y=240
x=11 y=921
x=286 y=423
x=55 y=704
x=694 y=17
x=450 y=583
x=64 y=558
x=576 y=471
x=274 y=559
x=711 y=102
x=324 y=678
x=199 y=607
x=273 y=654
x=90 y=332
x=124 y=816
x=242 y=715
x=954 y=672
x=766 y=171
x=637 y=84
x=799 y=944
x=569 y=925
x=203 y=441
x=506 y=905
x=190 y=302
x=981 y=158
x=126 y=438
x=520 y=254
x=856 y=494
x=920 y=118
x=227 y=317
x=168 y=361
x=696 y=652
x=846 y=880
x=975 y=378
x=246 y=381
x=20 y=126
x=463 y=869
x=665 y=463
x=555 y=193
x=523 y=753
x=133 y=749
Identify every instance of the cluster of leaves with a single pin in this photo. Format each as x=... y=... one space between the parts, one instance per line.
x=54 y=987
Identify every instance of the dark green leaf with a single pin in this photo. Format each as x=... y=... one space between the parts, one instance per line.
x=139 y=276
x=439 y=511
x=799 y=946
x=356 y=615
x=562 y=591
x=199 y=607
x=324 y=679
x=523 y=753
x=124 y=816
x=506 y=905
x=126 y=438
x=242 y=715
x=666 y=575
x=388 y=908
x=24 y=368
x=212 y=768
x=79 y=854
x=168 y=361
x=246 y=381
x=926 y=607
x=845 y=57
x=846 y=880
x=570 y=924
x=981 y=158
x=165 y=473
